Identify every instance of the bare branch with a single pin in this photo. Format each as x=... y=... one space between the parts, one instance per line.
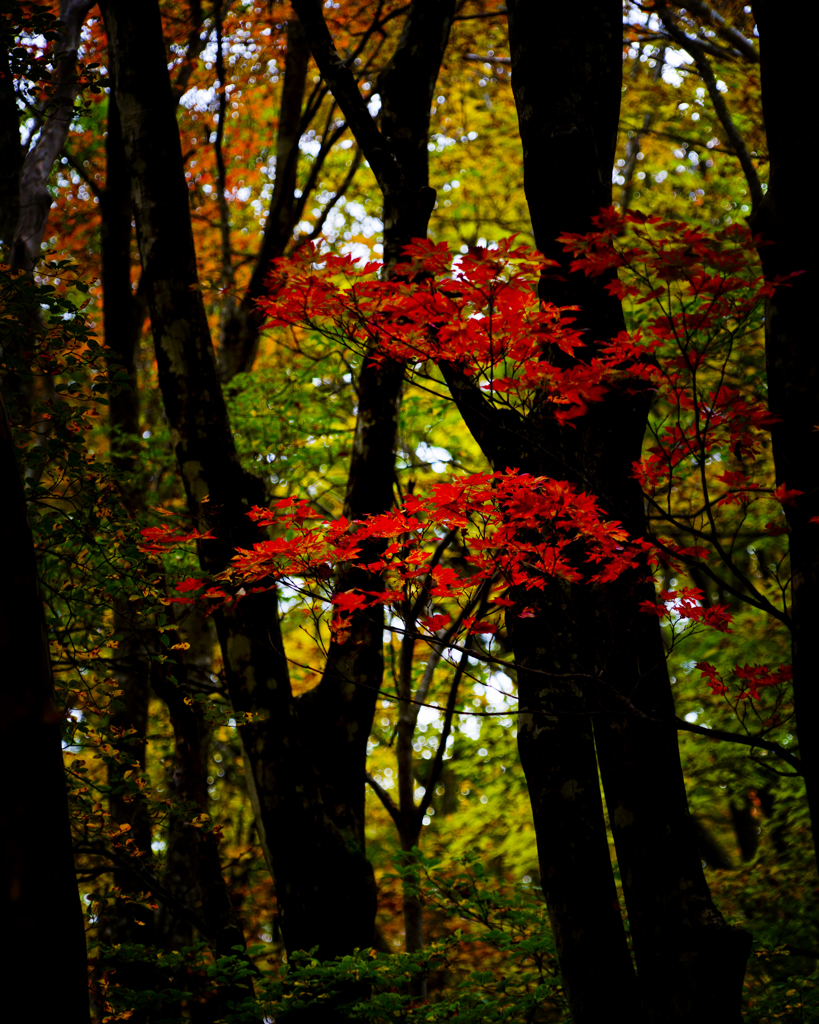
x=693 y=47
x=339 y=77
x=487 y=60
x=501 y=11
x=75 y=164
x=438 y=762
x=385 y=799
x=728 y=32
x=340 y=192
x=747 y=741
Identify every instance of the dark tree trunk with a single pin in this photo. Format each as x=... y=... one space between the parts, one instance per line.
x=193 y=853
x=198 y=848
x=566 y=78
x=791 y=355
x=132 y=666
x=39 y=899
x=187 y=780
x=339 y=711
x=35 y=199
x=324 y=885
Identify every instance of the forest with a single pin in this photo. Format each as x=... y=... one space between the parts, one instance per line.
x=409 y=459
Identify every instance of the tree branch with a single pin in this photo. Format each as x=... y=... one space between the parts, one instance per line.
x=385 y=799
x=747 y=741
x=501 y=11
x=318 y=227
x=151 y=883
x=693 y=47
x=438 y=761
x=74 y=163
x=497 y=431
x=487 y=60
x=728 y=32
x=339 y=77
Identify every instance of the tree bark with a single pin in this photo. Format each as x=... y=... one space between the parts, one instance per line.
x=324 y=886
x=789 y=225
x=566 y=80
x=339 y=711
x=198 y=848
x=132 y=665
x=35 y=199
x=39 y=888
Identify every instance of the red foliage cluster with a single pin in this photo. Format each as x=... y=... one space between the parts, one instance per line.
x=517 y=531
x=751 y=678
x=685 y=603
x=477 y=311
x=480 y=313
x=708 y=289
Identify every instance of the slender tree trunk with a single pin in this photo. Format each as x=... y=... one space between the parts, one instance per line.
x=35 y=199
x=24 y=216
x=192 y=852
x=132 y=666
x=11 y=153
x=39 y=895
x=198 y=847
x=413 y=909
x=188 y=779
x=789 y=225
x=339 y=711
x=239 y=340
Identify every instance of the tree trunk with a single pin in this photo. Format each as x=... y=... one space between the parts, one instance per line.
x=35 y=199
x=198 y=848
x=324 y=886
x=566 y=79
x=132 y=665
x=11 y=152
x=557 y=752
x=26 y=200
x=239 y=340
x=342 y=706
x=39 y=888
x=791 y=356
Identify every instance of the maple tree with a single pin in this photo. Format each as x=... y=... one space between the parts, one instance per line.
x=388 y=477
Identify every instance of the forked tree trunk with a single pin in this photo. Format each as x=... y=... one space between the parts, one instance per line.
x=353 y=674
x=324 y=884
x=568 y=106
x=566 y=78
